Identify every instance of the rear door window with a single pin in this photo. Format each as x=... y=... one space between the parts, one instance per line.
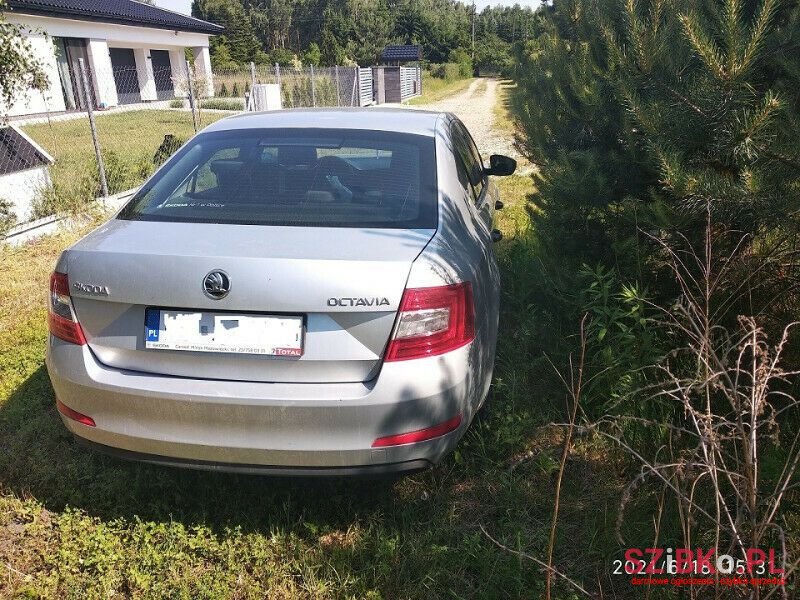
x=303 y=177
x=470 y=160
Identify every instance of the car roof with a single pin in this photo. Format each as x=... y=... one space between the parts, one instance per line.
x=401 y=120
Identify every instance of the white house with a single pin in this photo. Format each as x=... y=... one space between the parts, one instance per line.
x=133 y=52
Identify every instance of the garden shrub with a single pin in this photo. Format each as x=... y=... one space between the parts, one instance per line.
x=7 y=216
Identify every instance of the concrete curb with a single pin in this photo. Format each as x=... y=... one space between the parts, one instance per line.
x=24 y=233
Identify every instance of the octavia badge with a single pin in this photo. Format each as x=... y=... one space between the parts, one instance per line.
x=216 y=285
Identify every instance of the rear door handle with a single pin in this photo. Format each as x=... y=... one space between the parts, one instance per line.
x=497 y=235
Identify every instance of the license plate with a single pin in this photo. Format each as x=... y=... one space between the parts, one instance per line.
x=270 y=335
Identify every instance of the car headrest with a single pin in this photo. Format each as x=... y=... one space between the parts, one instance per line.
x=297 y=156
x=226 y=170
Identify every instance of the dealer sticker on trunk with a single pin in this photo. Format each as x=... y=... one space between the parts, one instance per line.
x=270 y=335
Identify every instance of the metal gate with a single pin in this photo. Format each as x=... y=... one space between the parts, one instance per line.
x=365 y=96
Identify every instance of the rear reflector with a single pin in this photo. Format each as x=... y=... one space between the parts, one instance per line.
x=432 y=321
x=74 y=414
x=419 y=435
x=61 y=320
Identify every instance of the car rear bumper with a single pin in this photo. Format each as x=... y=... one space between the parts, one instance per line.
x=267 y=427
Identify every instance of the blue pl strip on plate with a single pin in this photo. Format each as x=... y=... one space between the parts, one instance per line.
x=152 y=320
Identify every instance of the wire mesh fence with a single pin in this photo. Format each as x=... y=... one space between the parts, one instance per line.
x=106 y=130
x=298 y=86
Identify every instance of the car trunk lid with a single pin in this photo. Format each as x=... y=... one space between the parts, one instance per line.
x=346 y=283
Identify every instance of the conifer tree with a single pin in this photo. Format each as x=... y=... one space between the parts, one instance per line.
x=641 y=114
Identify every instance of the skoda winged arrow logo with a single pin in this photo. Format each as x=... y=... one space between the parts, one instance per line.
x=216 y=285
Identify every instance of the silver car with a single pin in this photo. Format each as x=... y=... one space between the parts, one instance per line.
x=301 y=292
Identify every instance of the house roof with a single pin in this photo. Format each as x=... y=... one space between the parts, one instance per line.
x=18 y=152
x=122 y=12
x=402 y=53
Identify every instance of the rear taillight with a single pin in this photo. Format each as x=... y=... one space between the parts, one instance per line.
x=433 y=321
x=61 y=320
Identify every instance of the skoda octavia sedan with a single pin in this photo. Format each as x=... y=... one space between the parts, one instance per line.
x=301 y=292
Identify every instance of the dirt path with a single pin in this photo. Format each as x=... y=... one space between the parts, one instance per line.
x=475 y=106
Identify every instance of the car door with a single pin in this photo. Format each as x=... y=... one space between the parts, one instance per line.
x=478 y=181
x=469 y=167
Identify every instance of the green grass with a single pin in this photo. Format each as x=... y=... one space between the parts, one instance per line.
x=435 y=89
x=74 y=524
x=503 y=114
x=128 y=141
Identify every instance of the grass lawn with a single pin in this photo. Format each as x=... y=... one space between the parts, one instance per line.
x=503 y=114
x=128 y=140
x=435 y=89
x=74 y=524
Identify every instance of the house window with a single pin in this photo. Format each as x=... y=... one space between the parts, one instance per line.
x=68 y=53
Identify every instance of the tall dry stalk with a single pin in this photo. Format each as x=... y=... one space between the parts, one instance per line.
x=733 y=391
x=574 y=392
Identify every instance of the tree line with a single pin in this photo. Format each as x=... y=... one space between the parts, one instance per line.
x=331 y=32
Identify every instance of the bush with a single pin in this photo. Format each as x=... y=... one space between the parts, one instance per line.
x=460 y=57
x=235 y=92
x=85 y=188
x=282 y=56
x=223 y=91
x=313 y=55
x=493 y=55
x=298 y=91
x=72 y=199
x=7 y=216
x=167 y=148
x=177 y=103
x=261 y=58
x=446 y=71
x=222 y=104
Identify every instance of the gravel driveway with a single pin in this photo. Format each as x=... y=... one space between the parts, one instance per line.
x=475 y=107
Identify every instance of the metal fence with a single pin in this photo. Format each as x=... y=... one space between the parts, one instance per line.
x=299 y=87
x=103 y=133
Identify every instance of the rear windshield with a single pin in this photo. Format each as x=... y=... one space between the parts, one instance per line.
x=309 y=177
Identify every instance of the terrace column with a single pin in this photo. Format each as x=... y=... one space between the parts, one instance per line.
x=202 y=67
x=177 y=60
x=102 y=73
x=144 y=72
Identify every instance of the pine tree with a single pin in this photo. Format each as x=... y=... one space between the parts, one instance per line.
x=239 y=37
x=642 y=114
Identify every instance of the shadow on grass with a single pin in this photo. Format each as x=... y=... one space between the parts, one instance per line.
x=420 y=536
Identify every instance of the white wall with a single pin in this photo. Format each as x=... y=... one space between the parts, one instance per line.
x=22 y=188
x=34 y=101
x=100 y=36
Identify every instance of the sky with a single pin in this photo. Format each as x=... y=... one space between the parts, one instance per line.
x=185 y=6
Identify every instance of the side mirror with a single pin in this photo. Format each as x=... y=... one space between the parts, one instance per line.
x=500 y=165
